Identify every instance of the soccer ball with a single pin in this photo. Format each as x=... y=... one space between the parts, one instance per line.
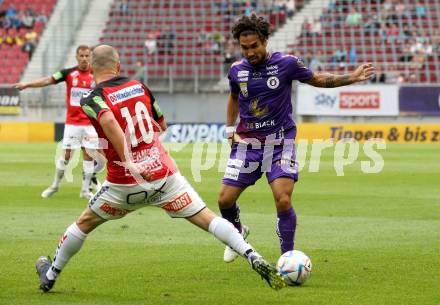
x=295 y=267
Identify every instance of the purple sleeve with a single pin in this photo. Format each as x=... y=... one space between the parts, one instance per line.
x=233 y=86
x=297 y=69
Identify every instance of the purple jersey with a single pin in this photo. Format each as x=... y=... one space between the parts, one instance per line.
x=264 y=94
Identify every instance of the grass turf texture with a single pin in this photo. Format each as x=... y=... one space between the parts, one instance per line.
x=373 y=239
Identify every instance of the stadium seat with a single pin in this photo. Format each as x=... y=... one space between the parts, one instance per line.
x=17 y=59
x=373 y=46
x=187 y=19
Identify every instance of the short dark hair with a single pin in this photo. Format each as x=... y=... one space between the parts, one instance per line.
x=82 y=47
x=252 y=24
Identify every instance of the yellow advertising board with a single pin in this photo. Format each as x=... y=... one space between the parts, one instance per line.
x=26 y=132
x=391 y=133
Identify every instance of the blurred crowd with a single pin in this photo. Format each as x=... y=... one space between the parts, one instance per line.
x=394 y=24
x=218 y=40
x=19 y=27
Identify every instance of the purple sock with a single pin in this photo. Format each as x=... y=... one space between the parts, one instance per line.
x=286 y=225
x=232 y=214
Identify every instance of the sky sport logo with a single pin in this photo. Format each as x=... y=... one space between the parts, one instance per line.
x=359 y=100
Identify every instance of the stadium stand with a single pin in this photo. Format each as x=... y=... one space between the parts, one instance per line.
x=182 y=38
x=401 y=37
x=21 y=24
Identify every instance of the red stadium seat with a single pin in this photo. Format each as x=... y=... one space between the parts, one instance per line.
x=17 y=59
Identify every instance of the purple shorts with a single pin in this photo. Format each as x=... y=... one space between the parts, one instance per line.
x=247 y=163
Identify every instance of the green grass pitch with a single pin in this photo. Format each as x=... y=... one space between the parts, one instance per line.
x=374 y=239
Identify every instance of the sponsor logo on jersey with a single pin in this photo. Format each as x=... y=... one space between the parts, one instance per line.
x=243 y=79
x=126 y=94
x=75 y=82
x=234 y=163
x=242 y=73
x=76 y=94
x=256 y=75
x=179 y=203
x=273 y=72
x=257 y=111
x=244 y=90
x=108 y=209
x=232 y=173
x=258 y=125
x=288 y=165
x=359 y=100
x=272 y=67
x=273 y=82
x=74 y=73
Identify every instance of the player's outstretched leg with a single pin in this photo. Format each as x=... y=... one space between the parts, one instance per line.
x=267 y=271
x=224 y=231
x=70 y=243
x=43 y=264
x=230 y=255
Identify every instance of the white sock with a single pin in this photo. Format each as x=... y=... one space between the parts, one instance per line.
x=228 y=234
x=69 y=245
x=59 y=172
x=88 y=170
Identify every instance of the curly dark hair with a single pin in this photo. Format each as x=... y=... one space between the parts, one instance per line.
x=252 y=24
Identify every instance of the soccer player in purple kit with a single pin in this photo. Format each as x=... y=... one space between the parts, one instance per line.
x=263 y=141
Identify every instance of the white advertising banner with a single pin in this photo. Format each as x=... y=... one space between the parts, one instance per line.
x=378 y=100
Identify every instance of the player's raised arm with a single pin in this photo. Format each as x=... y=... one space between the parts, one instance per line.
x=328 y=80
x=42 y=82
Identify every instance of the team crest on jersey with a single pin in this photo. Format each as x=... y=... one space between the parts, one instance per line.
x=257 y=111
x=243 y=73
x=244 y=90
x=273 y=82
x=75 y=82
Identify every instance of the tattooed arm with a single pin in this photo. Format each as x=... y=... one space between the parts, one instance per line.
x=327 y=80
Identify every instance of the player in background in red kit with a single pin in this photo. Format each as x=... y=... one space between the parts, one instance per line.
x=78 y=132
x=140 y=172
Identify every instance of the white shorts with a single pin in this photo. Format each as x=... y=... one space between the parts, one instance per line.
x=173 y=194
x=77 y=136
